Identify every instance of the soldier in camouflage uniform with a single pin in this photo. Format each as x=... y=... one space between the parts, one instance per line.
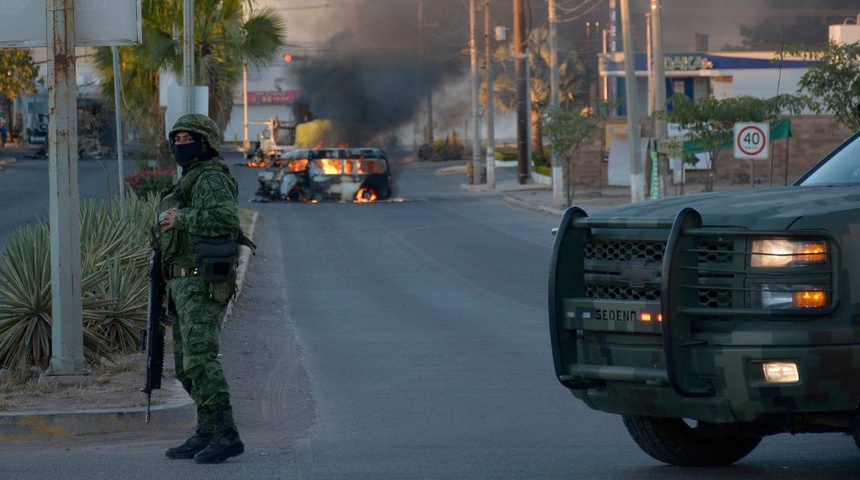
x=201 y=207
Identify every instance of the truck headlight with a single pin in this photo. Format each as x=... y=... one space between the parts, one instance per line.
x=776 y=252
x=776 y=296
x=780 y=372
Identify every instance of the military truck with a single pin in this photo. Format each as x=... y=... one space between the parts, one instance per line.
x=710 y=321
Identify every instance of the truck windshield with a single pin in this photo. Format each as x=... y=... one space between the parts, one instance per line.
x=841 y=167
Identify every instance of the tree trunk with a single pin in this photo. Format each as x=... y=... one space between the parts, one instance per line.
x=538 y=154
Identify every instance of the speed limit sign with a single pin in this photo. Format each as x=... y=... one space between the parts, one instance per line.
x=752 y=141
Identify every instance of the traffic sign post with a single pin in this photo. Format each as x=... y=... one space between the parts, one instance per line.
x=752 y=141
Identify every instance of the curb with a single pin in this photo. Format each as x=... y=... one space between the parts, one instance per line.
x=178 y=411
x=541 y=208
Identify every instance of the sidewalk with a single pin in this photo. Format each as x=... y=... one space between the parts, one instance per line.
x=539 y=196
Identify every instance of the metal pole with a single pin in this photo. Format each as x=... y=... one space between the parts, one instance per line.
x=417 y=131
x=661 y=129
x=604 y=79
x=476 y=125
x=246 y=142
x=67 y=344
x=118 y=116
x=648 y=62
x=637 y=177
x=491 y=132
x=522 y=93
x=557 y=168
x=188 y=55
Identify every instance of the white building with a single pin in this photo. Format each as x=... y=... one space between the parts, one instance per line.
x=702 y=74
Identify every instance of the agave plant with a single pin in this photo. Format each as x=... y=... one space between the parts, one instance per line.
x=25 y=298
x=106 y=234
x=113 y=266
x=116 y=251
x=116 y=309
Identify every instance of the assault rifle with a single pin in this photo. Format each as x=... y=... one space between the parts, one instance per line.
x=153 y=337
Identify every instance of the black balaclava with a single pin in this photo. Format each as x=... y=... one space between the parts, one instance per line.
x=186 y=153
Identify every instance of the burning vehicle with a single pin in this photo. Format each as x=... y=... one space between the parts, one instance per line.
x=342 y=174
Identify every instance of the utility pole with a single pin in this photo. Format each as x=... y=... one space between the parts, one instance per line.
x=475 y=177
x=660 y=127
x=491 y=132
x=187 y=55
x=68 y=364
x=557 y=169
x=522 y=92
x=637 y=176
x=246 y=142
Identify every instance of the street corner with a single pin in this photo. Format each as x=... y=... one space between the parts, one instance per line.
x=452 y=170
x=476 y=188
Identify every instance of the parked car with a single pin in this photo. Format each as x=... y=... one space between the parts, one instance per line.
x=711 y=321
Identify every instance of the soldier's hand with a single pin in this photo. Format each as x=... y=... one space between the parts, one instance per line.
x=167 y=219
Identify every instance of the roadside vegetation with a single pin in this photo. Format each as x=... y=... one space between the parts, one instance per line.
x=114 y=262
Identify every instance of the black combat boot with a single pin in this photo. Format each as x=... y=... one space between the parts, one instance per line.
x=224 y=445
x=206 y=428
x=226 y=442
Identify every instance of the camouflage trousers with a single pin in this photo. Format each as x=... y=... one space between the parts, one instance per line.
x=196 y=338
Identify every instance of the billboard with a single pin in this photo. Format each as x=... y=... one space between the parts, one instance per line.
x=23 y=23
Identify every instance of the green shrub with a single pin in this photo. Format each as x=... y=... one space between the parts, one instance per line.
x=147 y=182
x=114 y=262
x=543 y=170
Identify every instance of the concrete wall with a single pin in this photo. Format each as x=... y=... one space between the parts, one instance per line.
x=814 y=137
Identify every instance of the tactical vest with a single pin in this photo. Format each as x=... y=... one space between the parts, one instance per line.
x=178 y=245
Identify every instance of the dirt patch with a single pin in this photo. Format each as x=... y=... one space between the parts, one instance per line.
x=115 y=384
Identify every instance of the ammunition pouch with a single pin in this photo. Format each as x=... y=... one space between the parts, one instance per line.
x=216 y=257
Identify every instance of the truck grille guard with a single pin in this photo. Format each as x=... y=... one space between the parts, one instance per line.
x=699 y=261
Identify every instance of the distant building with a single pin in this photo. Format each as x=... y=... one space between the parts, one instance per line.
x=702 y=74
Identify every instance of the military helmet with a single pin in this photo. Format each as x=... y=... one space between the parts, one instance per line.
x=200 y=124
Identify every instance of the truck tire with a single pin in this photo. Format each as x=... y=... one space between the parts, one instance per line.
x=673 y=441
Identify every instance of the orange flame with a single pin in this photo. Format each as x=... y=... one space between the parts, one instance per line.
x=365 y=195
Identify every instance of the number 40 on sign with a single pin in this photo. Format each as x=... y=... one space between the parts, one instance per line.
x=752 y=141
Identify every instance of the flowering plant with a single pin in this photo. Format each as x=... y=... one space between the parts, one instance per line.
x=148 y=182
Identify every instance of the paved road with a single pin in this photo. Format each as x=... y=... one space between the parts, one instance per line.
x=24 y=192
x=404 y=340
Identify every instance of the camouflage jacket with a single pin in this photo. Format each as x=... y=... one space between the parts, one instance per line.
x=207 y=204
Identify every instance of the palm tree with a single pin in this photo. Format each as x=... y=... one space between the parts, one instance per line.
x=573 y=85
x=224 y=42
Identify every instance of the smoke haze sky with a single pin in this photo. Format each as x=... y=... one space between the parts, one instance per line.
x=370 y=54
x=312 y=22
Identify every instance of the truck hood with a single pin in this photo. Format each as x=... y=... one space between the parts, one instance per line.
x=759 y=208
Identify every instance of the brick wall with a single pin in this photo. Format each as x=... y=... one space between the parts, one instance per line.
x=813 y=137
